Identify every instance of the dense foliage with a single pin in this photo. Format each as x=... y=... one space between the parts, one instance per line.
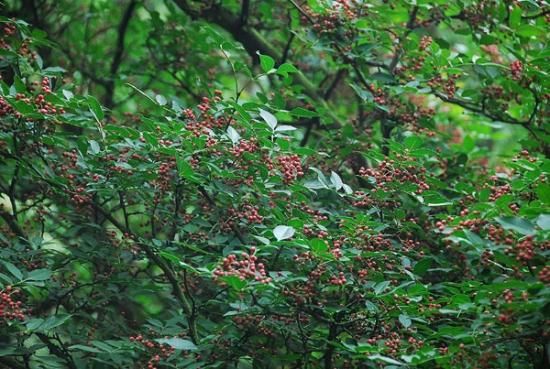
x=274 y=184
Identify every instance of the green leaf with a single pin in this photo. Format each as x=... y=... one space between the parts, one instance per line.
x=85 y=348
x=95 y=108
x=269 y=118
x=303 y=113
x=233 y=135
x=45 y=325
x=336 y=181
x=161 y=100
x=319 y=247
x=245 y=362
x=54 y=70
x=23 y=108
x=284 y=128
x=33 y=324
x=13 y=270
x=54 y=321
x=286 y=68
x=385 y=359
x=528 y=30
x=235 y=282
x=515 y=17
x=185 y=169
x=39 y=275
x=413 y=142
x=178 y=343
x=519 y=225
x=380 y=287
x=68 y=94
x=422 y=266
x=267 y=63
x=283 y=232
x=94 y=147
x=543 y=221
x=405 y=320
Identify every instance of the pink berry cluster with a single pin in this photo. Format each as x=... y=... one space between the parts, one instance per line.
x=544 y=274
x=291 y=167
x=309 y=231
x=244 y=146
x=387 y=174
x=425 y=42
x=8 y=29
x=338 y=280
x=249 y=213
x=156 y=350
x=202 y=124
x=165 y=174
x=7 y=109
x=245 y=268
x=448 y=85
x=362 y=200
x=525 y=249
x=499 y=191
x=393 y=343
x=77 y=188
x=508 y=296
x=516 y=69
x=10 y=308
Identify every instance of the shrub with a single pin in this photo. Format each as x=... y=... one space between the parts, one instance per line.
x=392 y=232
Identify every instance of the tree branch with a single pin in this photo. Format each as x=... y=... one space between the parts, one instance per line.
x=119 y=51
x=152 y=255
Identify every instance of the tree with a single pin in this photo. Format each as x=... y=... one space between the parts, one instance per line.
x=274 y=184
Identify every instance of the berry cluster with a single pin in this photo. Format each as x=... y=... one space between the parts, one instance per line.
x=156 y=350
x=202 y=124
x=478 y=13
x=8 y=29
x=544 y=274
x=10 y=308
x=332 y=20
x=245 y=268
x=516 y=69
x=505 y=318
x=338 y=280
x=249 y=213
x=387 y=174
x=77 y=188
x=448 y=85
x=425 y=42
x=494 y=92
x=310 y=232
x=525 y=249
x=498 y=235
x=291 y=167
x=7 y=109
x=499 y=191
x=379 y=96
x=417 y=344
x=165 y=174
x=393 y=343
x=244 y=146
x=376 y=243
x=508 y=296
x=362 y=200
x=318 y=216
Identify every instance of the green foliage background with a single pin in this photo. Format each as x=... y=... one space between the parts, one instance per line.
x=274 y=184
